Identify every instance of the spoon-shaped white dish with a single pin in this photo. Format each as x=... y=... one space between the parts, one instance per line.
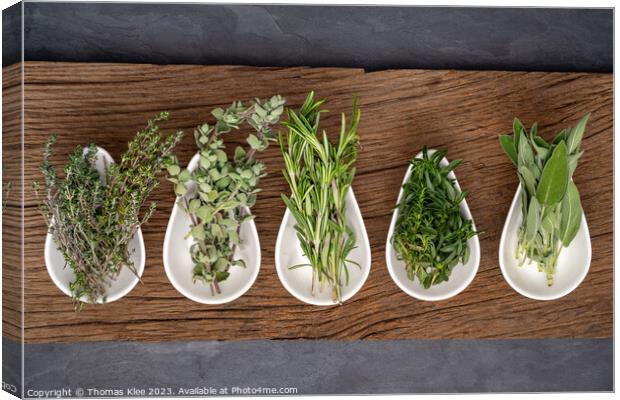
x=126 y=280
x=461 y=275
x=572 y=268
x=298 y=281
x=178 y=262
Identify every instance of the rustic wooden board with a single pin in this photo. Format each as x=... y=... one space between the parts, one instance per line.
x=11 y=194
x=402 y=110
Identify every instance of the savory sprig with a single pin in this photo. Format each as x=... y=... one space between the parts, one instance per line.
x=430 y=234
x=93 y=218
x=319 y=175
x=221 y=188
x=550 y=202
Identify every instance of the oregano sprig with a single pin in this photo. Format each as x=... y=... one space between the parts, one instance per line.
x=215 y=194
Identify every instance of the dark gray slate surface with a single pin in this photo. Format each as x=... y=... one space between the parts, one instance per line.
x=11 y=366
x=367 y=37
x=327 y=367
x=12 y=33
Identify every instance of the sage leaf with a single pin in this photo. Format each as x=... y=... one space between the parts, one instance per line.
x=571 y=215
x=508 y=144
x=562 y=136
x=517 y=128
x=576 y=134
x=547 y=224
x=554 y=178
x=532 y=221
x=573 y=159
x=528 y=180
x=540 y=142
x=541 y=147
x=552 y=213
x=534 y=129
x=526 y=155
x=524 y=202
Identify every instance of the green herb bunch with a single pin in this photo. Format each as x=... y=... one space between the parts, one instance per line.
x=319 y=175
x=93 y=218
x=217 y=192
x=550 y=201
x=430 y=234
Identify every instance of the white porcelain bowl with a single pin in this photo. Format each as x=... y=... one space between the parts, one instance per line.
x=62 y=275
x=572 y=268
x=461 y=275
x=178 y=263
x=298 y=281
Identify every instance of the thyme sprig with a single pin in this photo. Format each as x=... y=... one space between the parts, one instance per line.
x=430 y=234
x=93 y=218
x=319 y=175
x=216 y=193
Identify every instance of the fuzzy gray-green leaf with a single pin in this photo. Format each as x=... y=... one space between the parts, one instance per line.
x=532 y=221
x=517 y=128
x=508 y=144
x=222 y=185
x=541 y=147
x=526 y=155
x=528 y=180
x=554 y=178
x=571 y=215
x=573 y=159
x=576 y=134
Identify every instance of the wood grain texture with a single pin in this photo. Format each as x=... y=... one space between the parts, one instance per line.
x=11 y=196
x=402 y=110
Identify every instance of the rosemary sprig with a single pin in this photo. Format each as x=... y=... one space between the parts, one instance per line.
x=92 y=219
x=430 y=235
x=223 y=187
x=319 y=175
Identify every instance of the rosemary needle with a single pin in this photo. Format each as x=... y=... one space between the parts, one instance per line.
x=319 y=175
